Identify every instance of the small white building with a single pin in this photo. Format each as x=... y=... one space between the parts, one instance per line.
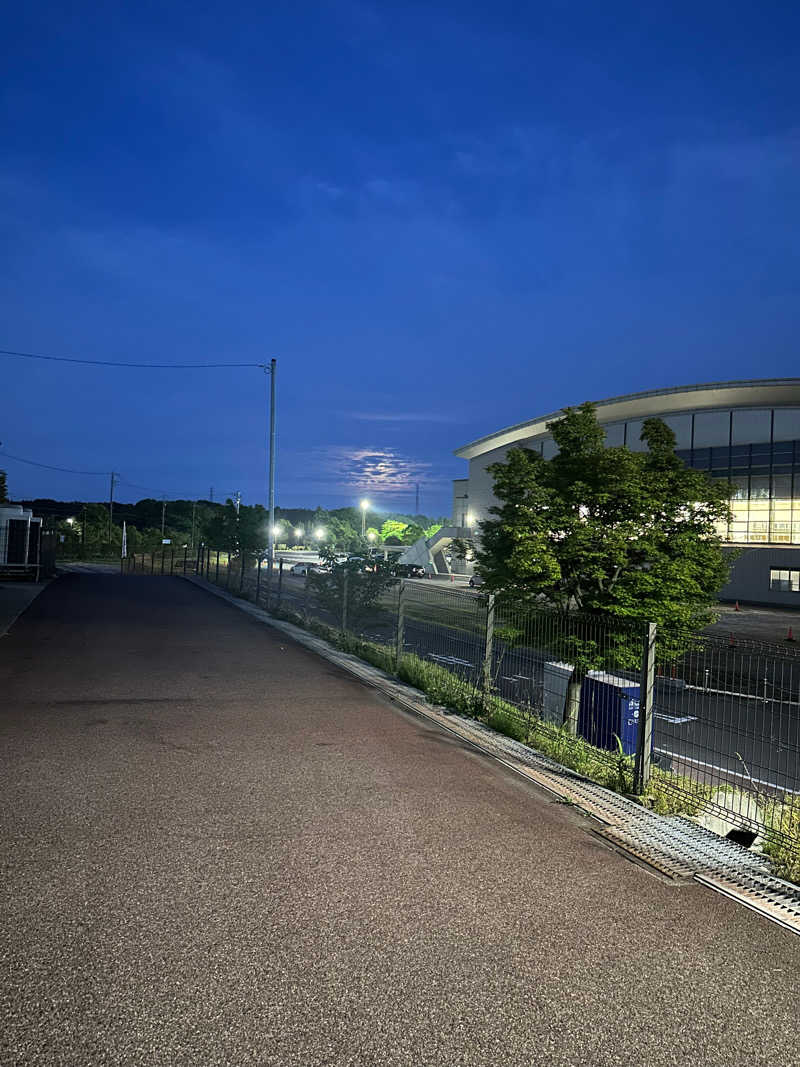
x=20 y=540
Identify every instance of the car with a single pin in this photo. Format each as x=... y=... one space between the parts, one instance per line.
x=409 y=570
x=475 y=581
x=308 y=568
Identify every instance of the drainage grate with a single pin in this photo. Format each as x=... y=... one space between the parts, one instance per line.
x=674 y=845
x=771 y=897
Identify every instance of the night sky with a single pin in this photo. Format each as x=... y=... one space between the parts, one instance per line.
x=440 y=218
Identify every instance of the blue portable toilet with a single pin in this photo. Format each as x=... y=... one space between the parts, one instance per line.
x=609 y=706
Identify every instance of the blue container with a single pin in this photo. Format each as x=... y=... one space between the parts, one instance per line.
x=609 y=709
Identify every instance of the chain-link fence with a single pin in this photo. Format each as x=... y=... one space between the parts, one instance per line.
x=694 y=723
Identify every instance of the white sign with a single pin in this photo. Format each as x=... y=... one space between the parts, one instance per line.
x=166 y=540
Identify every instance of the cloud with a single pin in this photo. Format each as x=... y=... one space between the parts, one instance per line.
x=374 y=470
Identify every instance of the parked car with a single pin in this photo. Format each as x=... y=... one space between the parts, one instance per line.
x=409 y=570
x=475 y=581
x=308 y=568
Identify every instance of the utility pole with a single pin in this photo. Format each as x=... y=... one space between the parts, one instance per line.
x=111 y=504
x=416 y=502
x=271 y=535
x=211 y=494
x=163 y=515
x=237 y=499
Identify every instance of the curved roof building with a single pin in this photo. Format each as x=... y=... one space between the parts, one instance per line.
x=747 y=432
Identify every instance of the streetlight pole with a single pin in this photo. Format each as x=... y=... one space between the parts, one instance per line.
x=364 y=506
x=271 y=542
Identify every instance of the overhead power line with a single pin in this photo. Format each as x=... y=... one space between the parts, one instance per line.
x=104 y=474
x=49 y=467
x=114 y=363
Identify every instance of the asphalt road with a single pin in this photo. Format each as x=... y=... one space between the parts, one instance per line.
x=219 y=849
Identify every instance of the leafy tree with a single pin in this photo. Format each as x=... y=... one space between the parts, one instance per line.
x=620 y=537
x=433 y=529
x=362 y=589
x=393 y=528
x=412 y=533
x=606 y=531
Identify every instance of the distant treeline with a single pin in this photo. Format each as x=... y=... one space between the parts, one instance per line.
x=85 y=528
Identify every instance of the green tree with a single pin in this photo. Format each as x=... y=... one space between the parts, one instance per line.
x=393 y=528
x=606 y=535
x=606 y=531
x=432 y=529
x=412 y=533
x=362 y=589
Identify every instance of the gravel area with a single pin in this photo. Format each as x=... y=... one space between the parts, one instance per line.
x=219 y=848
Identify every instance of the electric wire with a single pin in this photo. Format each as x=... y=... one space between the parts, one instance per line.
x=115 y=363
x=49 y=467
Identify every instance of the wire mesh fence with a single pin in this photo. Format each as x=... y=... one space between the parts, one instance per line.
x=699 y=723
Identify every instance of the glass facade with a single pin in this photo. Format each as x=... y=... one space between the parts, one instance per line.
x=756 y=449
x=765 y=474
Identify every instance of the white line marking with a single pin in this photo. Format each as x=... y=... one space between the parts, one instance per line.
x=725 y=770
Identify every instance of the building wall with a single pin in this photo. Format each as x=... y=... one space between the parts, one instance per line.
x=460 y=501
x=761 y=576
x=756 y=448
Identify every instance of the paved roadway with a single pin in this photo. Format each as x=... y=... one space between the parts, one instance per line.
x=220 y=849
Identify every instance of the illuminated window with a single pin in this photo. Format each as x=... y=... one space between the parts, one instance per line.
x=784 y=581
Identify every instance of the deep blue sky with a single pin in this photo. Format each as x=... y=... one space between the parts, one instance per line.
x=440 y=218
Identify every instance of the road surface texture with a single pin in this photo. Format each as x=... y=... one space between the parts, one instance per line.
x=220 y=849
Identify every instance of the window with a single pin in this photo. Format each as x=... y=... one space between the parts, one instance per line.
x=784 y=581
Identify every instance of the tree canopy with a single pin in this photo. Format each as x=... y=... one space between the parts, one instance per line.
x=606 y=531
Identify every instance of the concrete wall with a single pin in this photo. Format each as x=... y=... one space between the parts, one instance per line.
x=750 y=577
x=460 y=501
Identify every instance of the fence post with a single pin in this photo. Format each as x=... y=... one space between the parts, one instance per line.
x=487 y=648
x=216 y=572
x=243 y=559
x=162 y=560
x=228 y=572
x=644 y=737
x=280 y=581
x=305 y=599
x=185 y=553
x=152 y=563
x=172 y=561
x=401 y=624
x=258 y=579
x=345 y=577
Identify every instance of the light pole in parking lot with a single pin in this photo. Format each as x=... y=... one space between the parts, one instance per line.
x=364 y=506
x=271 y=488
